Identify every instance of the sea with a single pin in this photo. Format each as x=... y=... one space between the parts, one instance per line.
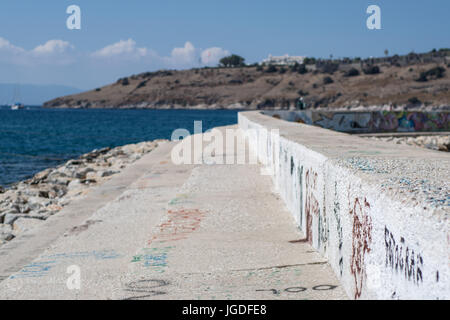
x=34 y=138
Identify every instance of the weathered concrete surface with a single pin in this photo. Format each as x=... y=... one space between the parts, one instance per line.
x=377 y=212
x=182 y=232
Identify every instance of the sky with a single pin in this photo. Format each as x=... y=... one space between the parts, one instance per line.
x=120 y=38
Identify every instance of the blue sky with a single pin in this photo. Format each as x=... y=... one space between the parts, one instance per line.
x=119 y=38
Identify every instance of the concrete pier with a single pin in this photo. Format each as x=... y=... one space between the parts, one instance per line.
x=320 y=215
x=165 y=231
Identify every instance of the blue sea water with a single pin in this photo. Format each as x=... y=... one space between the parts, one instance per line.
x=34 y=138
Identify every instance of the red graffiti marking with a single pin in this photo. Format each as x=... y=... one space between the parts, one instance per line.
x=179 y=225
x=312 y=205
x=362 y=238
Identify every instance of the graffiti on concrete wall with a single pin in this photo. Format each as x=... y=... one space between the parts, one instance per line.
x=343 y=121
x=375 y=121
x=323 y=231
x=401 y=258
x=313 y=212
x=300 y=183
x=337 y=216
x=311 y=204
x=361 y=241
x=408 y=121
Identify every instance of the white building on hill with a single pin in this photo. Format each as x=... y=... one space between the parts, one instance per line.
x=285 y=60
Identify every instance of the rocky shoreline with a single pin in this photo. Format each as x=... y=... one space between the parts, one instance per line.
x=29 y=203
x=438 y=142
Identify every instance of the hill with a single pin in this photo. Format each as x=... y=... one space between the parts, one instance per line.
x=414 y=80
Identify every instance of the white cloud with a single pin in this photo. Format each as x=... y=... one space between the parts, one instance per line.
x=51 y=52
x=62 y=52
x=123 y=49
x=53 y=47
x=211 y=56
x=6 y=46
x=186 y=55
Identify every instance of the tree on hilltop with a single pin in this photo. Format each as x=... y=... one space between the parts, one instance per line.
x=232 y=61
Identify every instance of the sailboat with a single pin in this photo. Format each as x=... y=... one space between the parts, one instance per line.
x=17 y=105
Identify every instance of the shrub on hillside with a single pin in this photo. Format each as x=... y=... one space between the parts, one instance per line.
x=437 y=72
x=327 y=80
x=142 y=84
x=352 y=73
x=372 y=70
x=302 y=69
x=433 y=73
x=294 y=67
x=124 y=81
x=271 y=69
x=309 y=61
x=329 y=67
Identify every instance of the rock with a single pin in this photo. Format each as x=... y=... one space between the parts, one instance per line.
x=24 y=224
x=36 y=203
x=76 y=162
x=10 y=218
x=24 y=209
x=41 y=176
x=444 y=147
x=29 y=191
x=5 y=228
x=82 y=173
x=44 y=193
x=95 y=153
x=2 y=190
x=54 y=207
x=5 y=233
x=117 y=152
x=92 y=175
x=107 y=173
x=88 y=181
x=75 y=184
x=11 y=211
x=59 y=177
x=60 y=190
x=102 y=163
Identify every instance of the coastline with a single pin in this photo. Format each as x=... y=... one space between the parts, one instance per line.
x=28 y=203
x=252 y=107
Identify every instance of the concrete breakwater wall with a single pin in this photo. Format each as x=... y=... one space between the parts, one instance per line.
x=378 y=212
x=369 y=122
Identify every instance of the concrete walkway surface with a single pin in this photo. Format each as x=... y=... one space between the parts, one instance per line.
x=165 y=231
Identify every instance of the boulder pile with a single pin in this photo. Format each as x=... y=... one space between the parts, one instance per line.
x=28 y=203
x=438 y=142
